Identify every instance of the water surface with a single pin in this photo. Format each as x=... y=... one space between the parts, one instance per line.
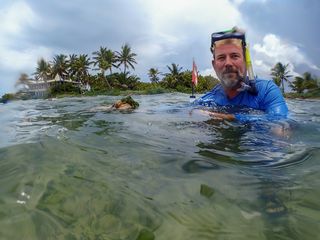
x=162 y=171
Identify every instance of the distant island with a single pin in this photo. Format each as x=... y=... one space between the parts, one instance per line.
x=106 y=72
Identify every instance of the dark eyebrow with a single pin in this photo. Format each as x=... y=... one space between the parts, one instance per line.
x=221 y=55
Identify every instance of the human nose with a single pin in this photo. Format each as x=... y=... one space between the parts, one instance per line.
x=228 y=61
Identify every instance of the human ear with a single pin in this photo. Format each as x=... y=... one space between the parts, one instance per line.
x=213 y=64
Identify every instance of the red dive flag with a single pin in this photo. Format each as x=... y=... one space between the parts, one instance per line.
x=194 y=74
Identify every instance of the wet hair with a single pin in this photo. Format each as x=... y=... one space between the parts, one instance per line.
x=233 y=41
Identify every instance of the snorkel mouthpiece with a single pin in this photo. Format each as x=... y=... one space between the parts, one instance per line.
x=249 y=82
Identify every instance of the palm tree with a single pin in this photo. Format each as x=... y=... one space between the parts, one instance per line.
x=100 y=59
x=153 y=75
x=297 y=85
x=305 y=82
x=111 y=59
x=174 y=76
x=82 y=66
x=23 y=81
x=60 y=66
x=126 y=57
x=105 y=59
x=72 y=65
x=43 y=70
x=125 y=81
x=280 y=74
x=175 y=70
x=309 y=81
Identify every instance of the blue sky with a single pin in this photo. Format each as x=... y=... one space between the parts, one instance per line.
x=161 y=32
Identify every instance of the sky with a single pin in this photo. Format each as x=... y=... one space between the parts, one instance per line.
x=160 y=32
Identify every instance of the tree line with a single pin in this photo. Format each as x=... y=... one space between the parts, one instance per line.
x=107 y=72
x=302 y=86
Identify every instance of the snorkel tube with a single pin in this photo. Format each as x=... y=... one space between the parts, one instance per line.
x=250 y=76
x=249 y=81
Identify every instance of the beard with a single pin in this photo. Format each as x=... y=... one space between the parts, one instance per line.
x=230 y=78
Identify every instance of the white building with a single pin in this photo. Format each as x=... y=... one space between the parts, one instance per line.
x=39 y=88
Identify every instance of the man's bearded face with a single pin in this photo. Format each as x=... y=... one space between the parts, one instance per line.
x=229 y=65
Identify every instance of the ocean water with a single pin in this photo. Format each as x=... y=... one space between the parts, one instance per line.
x=163 y=171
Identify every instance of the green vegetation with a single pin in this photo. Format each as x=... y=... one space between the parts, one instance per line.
x=206 y=191
x=305 y=86
x=145 y=234
x=305 y=83
x=154 y=75
x=65 y=88
x=107 y=73
x=315 y=93
x=7 y=97
x=130 y=101
x=280 y=75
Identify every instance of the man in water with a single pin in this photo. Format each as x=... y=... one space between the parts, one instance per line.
x=237 y=88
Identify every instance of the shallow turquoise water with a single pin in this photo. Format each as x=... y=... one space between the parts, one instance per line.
x=160 y=172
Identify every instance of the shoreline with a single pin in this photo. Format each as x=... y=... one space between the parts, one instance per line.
x=12 y=96
x=301 y=97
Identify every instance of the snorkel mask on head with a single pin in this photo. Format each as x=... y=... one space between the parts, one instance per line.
x=249 y=83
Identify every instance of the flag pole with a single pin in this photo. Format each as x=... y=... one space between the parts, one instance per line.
x=193 y=80
x=192 y=90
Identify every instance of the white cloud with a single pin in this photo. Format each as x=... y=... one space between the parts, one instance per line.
x=279 y=50
x=179 y=30
x=23 y=60
x=170 y=31
x=14 y=17
x=207 y=72
x=150 y=49
x=14 y=20
x=167 y=15
x=272 y=50
x=173 y=23
x=239 y=2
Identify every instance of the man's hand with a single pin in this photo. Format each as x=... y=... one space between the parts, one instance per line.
x=215 y=115
x=222 y=116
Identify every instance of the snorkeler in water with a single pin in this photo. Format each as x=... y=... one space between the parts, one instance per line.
x=238 y=87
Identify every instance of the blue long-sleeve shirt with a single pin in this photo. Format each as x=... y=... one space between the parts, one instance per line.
x=269 y=100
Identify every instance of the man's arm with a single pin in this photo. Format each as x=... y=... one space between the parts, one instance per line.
x=274 y=102
x=271 y=102
x=222 y=116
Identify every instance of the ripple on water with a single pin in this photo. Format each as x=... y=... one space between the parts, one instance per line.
x=160 y=172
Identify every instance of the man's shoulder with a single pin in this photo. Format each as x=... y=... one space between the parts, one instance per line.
x=268 y=91
x=263 y=82
x=265 y=85
x=271 y=98
x=214 y=96
x=215 y=90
